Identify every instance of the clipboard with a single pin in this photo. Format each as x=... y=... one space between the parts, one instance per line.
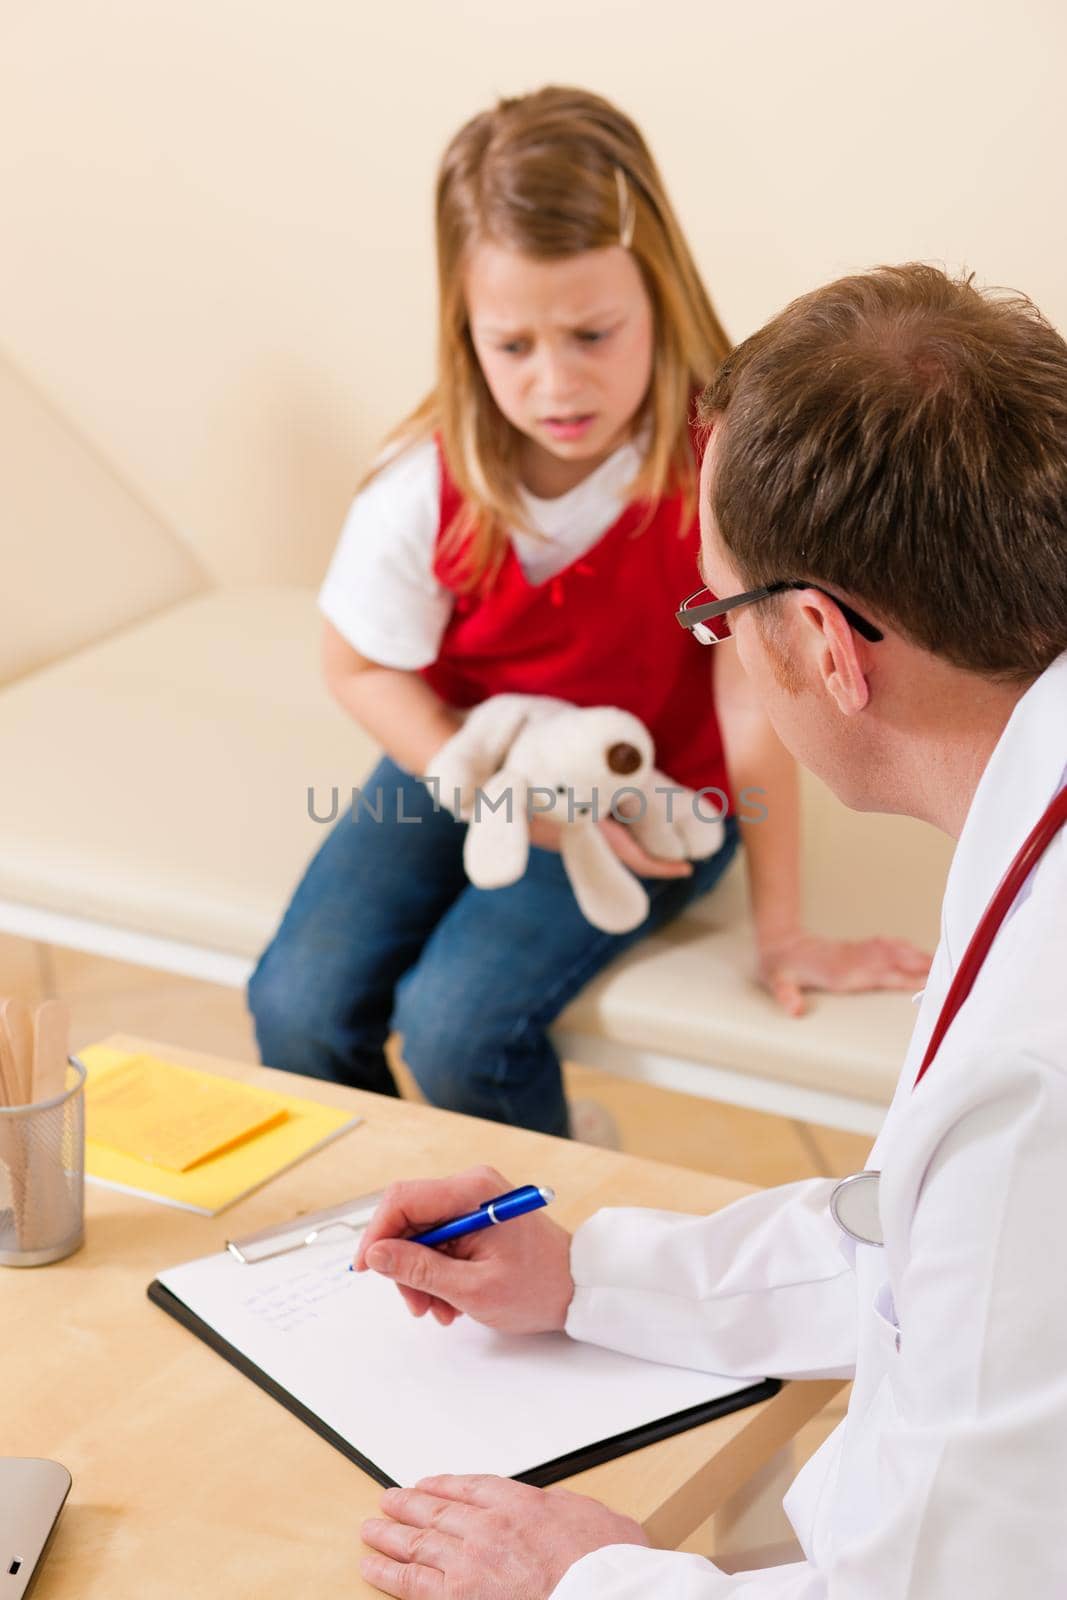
x=284 y=1256
x=281 y=1238
x=593 y=1455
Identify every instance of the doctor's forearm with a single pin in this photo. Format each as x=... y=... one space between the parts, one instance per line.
x=759 y=1288
x=622 y=1572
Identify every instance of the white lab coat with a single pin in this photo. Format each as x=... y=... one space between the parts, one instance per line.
x=947 y=1480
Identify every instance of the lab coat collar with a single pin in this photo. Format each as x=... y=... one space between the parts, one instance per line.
x=1024 y=772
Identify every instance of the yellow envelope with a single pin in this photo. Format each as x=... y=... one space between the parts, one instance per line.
x=219 y=1180
x=170 y=1117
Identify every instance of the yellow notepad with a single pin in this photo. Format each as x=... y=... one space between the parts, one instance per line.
x=171 y=1117
x=287 y=1128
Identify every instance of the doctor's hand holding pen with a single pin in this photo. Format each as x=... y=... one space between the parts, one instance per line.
x=516 y=1279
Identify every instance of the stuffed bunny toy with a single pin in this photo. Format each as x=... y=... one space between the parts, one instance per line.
x=518 y=756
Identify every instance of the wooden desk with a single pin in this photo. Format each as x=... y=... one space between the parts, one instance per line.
x=188 y=1479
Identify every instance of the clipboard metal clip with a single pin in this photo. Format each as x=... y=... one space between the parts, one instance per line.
x=299 y=1232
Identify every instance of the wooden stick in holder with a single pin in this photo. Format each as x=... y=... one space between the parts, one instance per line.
x=51 y=1037
x=33 y=1069
x=14 y=1092
x=46 y=1186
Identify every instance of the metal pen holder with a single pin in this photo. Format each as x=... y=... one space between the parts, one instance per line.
x=42 y=1176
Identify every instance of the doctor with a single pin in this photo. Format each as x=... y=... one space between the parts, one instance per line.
x=890 y=455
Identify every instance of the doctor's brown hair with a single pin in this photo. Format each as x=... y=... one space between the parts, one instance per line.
x=901 y=437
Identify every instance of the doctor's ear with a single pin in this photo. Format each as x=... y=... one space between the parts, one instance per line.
x=839 y=656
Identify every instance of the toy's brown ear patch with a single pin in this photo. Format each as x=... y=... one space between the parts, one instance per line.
x=623 y=758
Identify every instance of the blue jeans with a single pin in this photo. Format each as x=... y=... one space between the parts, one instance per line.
x=386 y=932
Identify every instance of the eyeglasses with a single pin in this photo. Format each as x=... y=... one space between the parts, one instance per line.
x=707 y=620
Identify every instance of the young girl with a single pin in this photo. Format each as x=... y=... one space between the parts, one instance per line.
x=532 y=529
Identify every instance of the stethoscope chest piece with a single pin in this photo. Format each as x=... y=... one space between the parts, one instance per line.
x=854 y=1207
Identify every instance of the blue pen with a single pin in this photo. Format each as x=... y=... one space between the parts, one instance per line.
x=516 y=1203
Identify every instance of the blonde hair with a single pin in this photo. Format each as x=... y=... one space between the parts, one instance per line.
x=552 y=174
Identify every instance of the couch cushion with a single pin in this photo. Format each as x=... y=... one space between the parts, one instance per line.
x=689 y=991
x=159 y=781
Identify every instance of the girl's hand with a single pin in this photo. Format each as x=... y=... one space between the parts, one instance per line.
x=636 y=857
x=515 y=1278
x=546 y=833
x=788 y=965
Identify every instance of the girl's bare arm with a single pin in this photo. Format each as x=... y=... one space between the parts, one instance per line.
x=397 y=708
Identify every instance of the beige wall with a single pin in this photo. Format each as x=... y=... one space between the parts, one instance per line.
x=216 y=236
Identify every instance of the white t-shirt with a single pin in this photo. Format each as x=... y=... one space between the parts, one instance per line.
x=380 y=591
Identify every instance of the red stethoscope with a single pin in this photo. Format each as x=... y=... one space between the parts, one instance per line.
x=854 y=1202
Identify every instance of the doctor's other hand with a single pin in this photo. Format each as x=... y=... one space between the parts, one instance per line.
x=514 y=1277
x=485 y=1538
x=797 y=961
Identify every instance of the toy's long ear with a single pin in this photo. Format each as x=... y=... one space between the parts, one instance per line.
x=609 y=895
x=653 y=831
x=497 y=845
x=694 y=831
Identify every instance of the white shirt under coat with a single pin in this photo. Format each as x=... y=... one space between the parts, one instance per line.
x=947 y=1479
